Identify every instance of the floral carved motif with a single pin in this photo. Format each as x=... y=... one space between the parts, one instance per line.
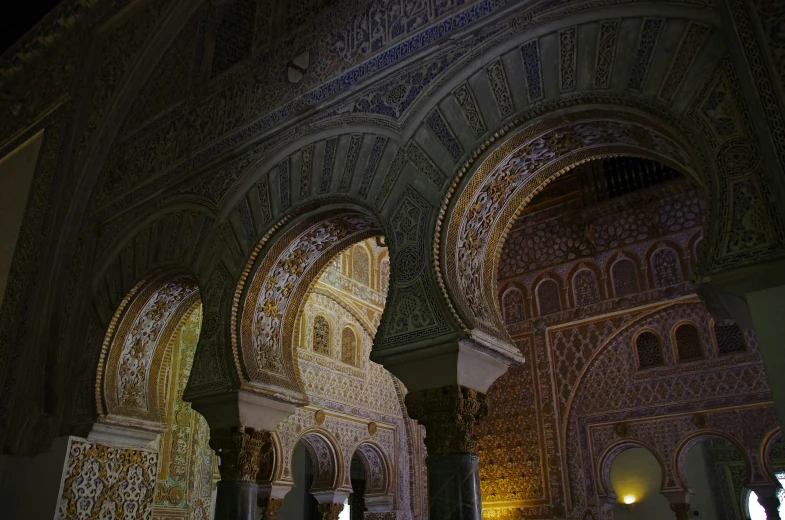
x=240 y=450
x=449 y=415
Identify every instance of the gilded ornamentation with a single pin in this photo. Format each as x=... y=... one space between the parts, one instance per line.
x=330 y=511
x=449 y=415
x=104 y=482
x=282 y=277
x=239 y=451
x=135 y=350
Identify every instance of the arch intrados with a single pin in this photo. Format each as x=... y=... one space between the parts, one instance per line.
x=184 y=297
x=383 y=473
x=764 y=453
x=494 y=186
x=274 y=286
x=608 y=456
x=326 y=477
x=270 y=471
x=690 y=440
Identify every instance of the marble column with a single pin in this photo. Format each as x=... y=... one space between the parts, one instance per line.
x=239 y=450
x=449 y=415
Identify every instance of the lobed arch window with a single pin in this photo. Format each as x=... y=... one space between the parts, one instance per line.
x=548 y=297
x=361 y=265
x=349 y=346
x=728 y=338
x=512 y=304
x=688 y=342
x=625 y=277
x=648 y=349
x=584 y=288
x=666 y=267
x=321 y=335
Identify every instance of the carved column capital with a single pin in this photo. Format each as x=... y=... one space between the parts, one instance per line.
x=270 y=508
x=330 y=511
x=239 y=450
x=449 y=415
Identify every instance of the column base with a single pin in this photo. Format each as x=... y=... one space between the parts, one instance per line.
x=236 y=501
x=454 y=487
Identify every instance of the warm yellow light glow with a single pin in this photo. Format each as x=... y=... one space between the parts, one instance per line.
x=629 y=499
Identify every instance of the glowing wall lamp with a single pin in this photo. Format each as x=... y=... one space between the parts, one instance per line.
x=628 y=502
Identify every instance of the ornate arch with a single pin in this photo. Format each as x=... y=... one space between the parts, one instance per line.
x=486 y=196
x=326 y=458
x=378 y=470
x=608 y=456
x=764 y=454
x=279 y=274
x=690 y=440
x=130 y=386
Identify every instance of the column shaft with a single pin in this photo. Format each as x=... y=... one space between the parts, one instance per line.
x=454 y=487
x=449 y=415
x=235 y=501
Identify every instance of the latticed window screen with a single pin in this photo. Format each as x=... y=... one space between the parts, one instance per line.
x=513 y=306
x=361 y=265
x=625 y=278
x=666 y=267
x=729 y=337
x=321 y=335
x=649 y=351
x=584 y=286
x=349 y=346
x=548 y=297
x=688 y=342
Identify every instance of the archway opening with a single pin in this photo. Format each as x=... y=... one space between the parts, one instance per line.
x=357 y=498
x=498 y=189
x=717 y=472
x=299 y=503
x=609 y=236
x=636 y=477
x=144 y=366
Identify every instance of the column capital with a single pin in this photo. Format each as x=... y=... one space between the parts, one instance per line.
x=449 y=415
x=679 y=502
x=269 y=498
x=239 y=450
x=330 y=511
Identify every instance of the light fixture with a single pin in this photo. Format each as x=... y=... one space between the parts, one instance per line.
x=629 y=499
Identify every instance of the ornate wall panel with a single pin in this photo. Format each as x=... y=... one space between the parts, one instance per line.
x=105 y=482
